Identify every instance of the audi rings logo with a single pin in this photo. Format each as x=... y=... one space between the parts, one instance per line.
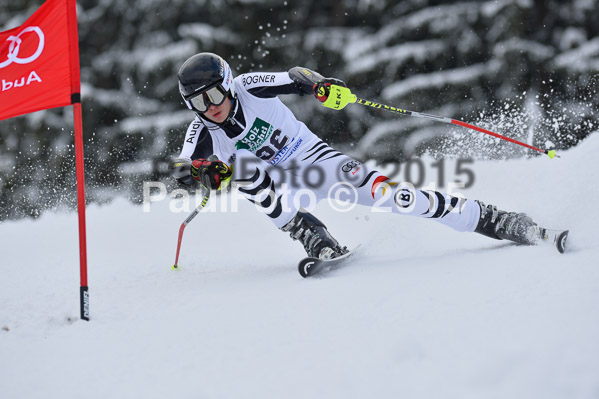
x=15 y=46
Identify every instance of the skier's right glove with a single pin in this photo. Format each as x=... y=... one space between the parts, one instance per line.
x=213 y=174
x=333 y=93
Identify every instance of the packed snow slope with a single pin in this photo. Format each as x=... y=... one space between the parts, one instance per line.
x=421 y=312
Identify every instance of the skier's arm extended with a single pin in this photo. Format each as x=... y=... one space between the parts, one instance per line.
x=298 y=80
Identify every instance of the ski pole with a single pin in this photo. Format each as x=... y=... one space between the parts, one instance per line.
x=372 y=104
x=340 y=96
x=186 y=222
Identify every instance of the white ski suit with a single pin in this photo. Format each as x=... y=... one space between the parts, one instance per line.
x=266 y=146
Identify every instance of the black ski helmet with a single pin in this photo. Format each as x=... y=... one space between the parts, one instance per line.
x=203 y=71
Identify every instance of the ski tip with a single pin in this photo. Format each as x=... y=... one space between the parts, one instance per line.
x=552 y=154
x=560 y=241
x=305 y=265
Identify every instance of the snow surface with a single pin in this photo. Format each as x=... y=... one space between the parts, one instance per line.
x=422 y=311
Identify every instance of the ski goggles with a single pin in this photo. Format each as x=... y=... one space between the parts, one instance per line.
x=202 y=101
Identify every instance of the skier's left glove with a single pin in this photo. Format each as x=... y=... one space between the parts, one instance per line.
x=333 y=93
x=213 y=174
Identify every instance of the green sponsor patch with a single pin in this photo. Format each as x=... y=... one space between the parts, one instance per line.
x=259 y=132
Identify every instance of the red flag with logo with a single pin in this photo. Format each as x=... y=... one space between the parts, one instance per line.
x=39 y=69
x=39 y=61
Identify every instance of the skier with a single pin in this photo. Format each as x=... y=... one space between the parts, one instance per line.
x=242 y=130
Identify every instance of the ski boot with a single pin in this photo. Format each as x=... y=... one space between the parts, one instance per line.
x=315 y=237
x=502 y=225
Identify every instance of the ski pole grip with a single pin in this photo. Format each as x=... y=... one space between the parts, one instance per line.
x=339 y=97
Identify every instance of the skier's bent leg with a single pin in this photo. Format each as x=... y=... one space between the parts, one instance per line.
x=251 y=176
x=253 y=181
x=467 y=215
x=314 y=236
x=375 y=190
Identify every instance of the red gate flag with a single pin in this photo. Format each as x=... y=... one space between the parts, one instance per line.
x=39 y=61
x=39 y=69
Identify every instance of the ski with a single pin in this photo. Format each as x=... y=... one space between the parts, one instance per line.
x=558 y=238
x=309 y=266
